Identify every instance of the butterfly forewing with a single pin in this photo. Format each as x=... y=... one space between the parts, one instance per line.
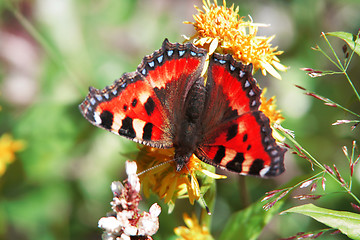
x=140 y=105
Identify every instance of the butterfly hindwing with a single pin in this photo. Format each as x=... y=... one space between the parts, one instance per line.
x=240 y=138
x=140 y=105
x=244 y=145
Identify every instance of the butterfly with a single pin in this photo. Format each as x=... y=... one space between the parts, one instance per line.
x=167 y=103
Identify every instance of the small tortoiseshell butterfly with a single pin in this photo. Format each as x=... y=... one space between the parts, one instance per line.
x=166 y=103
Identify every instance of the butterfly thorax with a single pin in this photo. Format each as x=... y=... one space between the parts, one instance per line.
x=189 y=129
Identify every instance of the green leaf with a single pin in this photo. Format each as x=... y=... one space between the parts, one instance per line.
x=248 y=223
x=347 y=222
x=349 y=39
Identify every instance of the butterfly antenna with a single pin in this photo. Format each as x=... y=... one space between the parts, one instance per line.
x=198 y=188
x=156 y=166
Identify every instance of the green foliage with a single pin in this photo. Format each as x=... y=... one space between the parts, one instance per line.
x=248 y=223
x=352 y=40
x=347 y=222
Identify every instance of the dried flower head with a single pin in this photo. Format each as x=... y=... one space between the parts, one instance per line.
x=8 y=148
x=193 y=230
x=164 y=180
x=127 y=221
x=221 y=29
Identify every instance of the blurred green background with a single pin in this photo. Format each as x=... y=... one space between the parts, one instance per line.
x=51 y=51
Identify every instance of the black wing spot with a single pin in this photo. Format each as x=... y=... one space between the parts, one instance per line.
x=147 y=131
x=106 y=119
x=236 y=163
x=125 y=107
x=127 y=128
x=149 y=106
x=256 y=166
x=248 y=147
x=134 y=102
x=220 y=154
x=245 y=137
x=232 y=132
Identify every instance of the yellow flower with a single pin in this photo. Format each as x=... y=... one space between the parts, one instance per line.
x=8 y=147
x=220 y=29
x=193 y=231
x=161 y=177
x=268 y=107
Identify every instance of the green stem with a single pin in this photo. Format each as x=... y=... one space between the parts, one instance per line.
x=352 y=85
x=343 y=108
x=341 y=67
x=327 y=56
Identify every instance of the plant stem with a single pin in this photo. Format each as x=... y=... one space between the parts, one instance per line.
x=340 y=66
x=319 y=165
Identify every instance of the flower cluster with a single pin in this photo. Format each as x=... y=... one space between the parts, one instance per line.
x=164 y=180
x=126 y=222
x=219 y=28
x=268 y=107
x=193 y=230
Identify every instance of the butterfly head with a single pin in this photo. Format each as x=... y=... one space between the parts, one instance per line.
x=181 y=160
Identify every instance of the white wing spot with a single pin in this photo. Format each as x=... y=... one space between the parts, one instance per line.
x=97 y=118
x=117 y=123
x=138 y=126
x=264 y=171
x=143 y=97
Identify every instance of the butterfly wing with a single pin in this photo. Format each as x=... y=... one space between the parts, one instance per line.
x=236 y=135
x=144 y=104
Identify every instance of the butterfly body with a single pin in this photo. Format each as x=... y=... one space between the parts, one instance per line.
x=166 y=103
x=188 y=133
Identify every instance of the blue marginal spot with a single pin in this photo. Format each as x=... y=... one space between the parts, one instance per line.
x=160 y=58
x=170 y=53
